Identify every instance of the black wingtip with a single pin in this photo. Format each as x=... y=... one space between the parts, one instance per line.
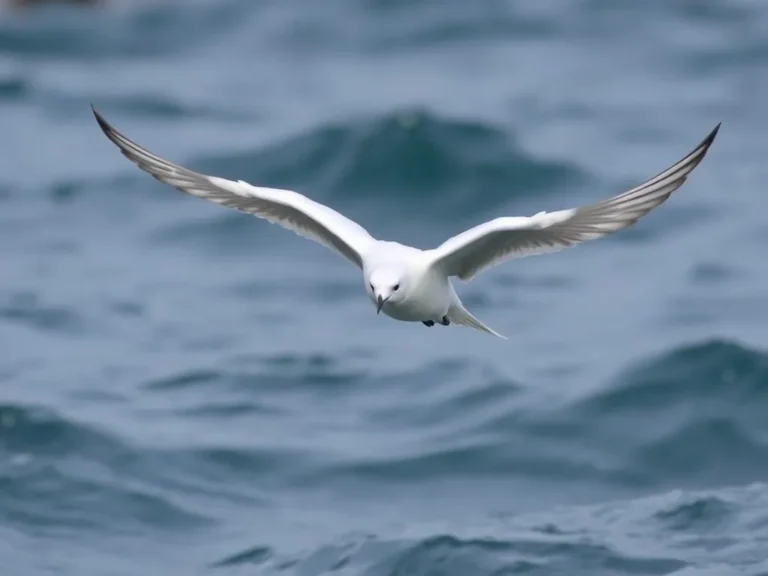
x=711 y=137
x=103 y=124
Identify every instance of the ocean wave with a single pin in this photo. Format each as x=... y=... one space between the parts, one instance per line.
x=716 y=369
x=698 y=513
x=27 y=309
x=56 y=473
x=253 y=556
x=15 y=85
x=278 y=372
x=641 y=536
x=706 y=402
x=441 y=430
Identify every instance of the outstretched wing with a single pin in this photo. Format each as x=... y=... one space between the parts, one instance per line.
x=287 y=208
x=493 y=242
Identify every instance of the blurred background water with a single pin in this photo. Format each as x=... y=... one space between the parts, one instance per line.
x=188 y=390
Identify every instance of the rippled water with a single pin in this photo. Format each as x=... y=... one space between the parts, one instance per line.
x=188 y=390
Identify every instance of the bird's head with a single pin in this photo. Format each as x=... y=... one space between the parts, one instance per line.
x=387 y=285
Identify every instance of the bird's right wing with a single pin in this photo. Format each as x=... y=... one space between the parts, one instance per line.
x=491 y=243
x=287 y=208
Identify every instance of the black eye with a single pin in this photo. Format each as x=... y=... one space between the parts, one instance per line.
x=396 y=286
x=372 y=289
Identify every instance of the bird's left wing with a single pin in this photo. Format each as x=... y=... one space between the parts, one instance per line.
x=493 y=242
x=287 y=208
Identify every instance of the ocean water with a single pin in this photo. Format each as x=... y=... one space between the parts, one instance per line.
x=186 y=390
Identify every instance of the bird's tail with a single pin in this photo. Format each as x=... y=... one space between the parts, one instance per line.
x=461 y=316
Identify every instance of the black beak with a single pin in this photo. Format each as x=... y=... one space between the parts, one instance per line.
x=380 y=301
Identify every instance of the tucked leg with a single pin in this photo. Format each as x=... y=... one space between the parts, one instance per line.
x=445 y=321
x=429 y=323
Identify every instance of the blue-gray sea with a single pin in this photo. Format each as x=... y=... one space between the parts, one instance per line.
x=188 y=390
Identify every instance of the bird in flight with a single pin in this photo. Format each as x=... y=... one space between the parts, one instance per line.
x=403 y=282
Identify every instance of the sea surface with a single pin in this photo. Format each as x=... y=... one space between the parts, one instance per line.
x=187 y=390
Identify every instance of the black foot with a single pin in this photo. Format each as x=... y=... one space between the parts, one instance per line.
x=445 y=321
x=429 y=323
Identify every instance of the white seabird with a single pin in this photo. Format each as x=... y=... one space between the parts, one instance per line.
x=404 y=282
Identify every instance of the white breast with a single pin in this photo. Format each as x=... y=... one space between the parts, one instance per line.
x=428 y=298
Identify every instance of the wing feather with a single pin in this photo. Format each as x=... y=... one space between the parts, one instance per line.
x=491 y=243
x=287 y=208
